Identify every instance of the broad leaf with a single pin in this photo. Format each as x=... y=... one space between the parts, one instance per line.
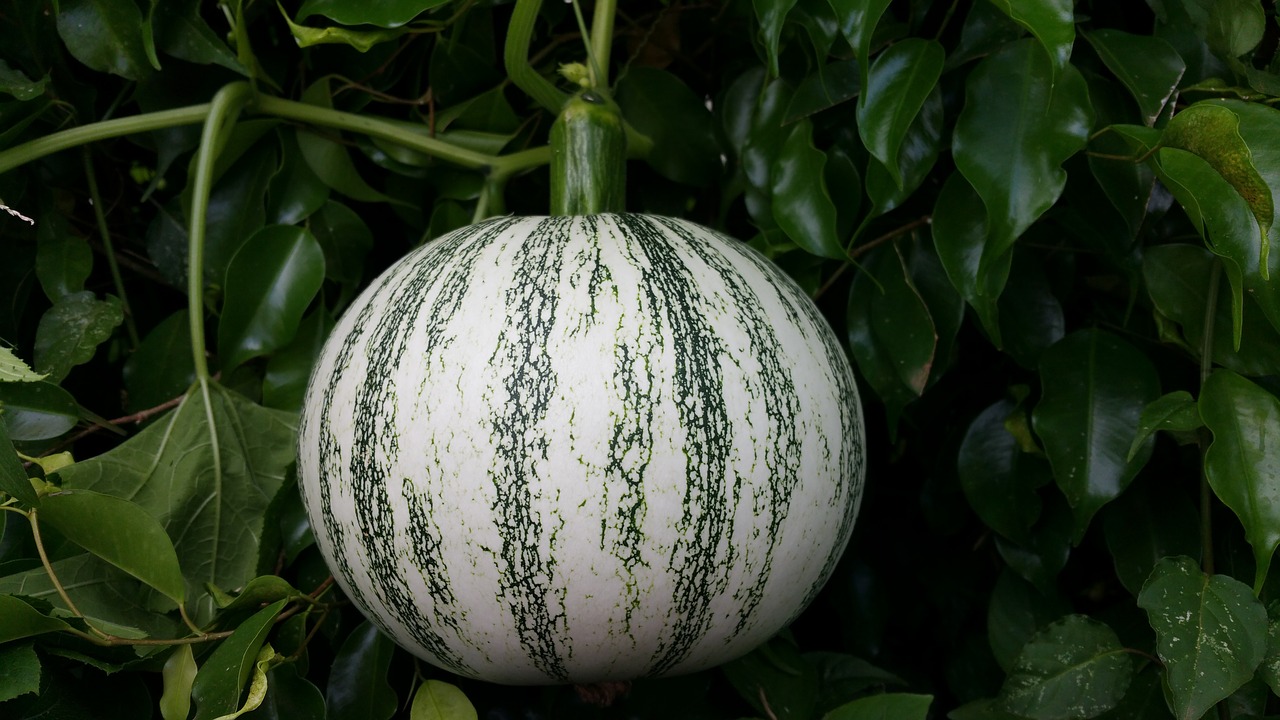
x=63 y=259
x=1000 y=478
x=119 y=532
x=858 y=20
x=13 y=478
x=960 y=234
x=1015 y=613
x=358 y=688
x=19 y=671
x=659 y=105
x=777 y=675
x=438 y=700
x=1075 y=668
x=826 y=87
x=207 y=471
x=890 y=330
x=1147 y=65
x=917 y=153
x=161 y=368
x=19 y=620
x=288 y=370
x=1052 y=22
x=106 y=35
x=1174 y=412
x=179 y=674
x=901 y=79
x=772 y=14
x=329 y=160
x=1045 y=553
x=885 y=706
x=295 y=191
x=1031 y=316
x=389 y=14
x=1095 y=386
x=1210 y=630
x=1243 y=462
x=802 y=206
x=14 y=82
x=182 y=33
x=37 y=410
x=1235 y=27
x=71 y=331
x=1146 y=524
x=270 y=284
x=221 y=680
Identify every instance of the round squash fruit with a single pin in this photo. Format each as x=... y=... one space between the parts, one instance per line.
x=580 y=449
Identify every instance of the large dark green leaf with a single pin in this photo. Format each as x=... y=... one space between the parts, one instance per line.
x=13 y=478
x=20 y=673
x=1015 y=613
x=162 y=368
x=1147 y=65
x=330 y=160
x=207 y=471
x=901 y=79
x=182 y=33
x=1243 y=462
x=885 y=706
x=106 y=35
x=1031 y=316
x=960 y=234
x=1018 y=126
x=358 y=687
x=71 y=331
x=270 y=284
x=222 y=677
x=1211 y=633
x=777 y=675
x=1052 y=22
x=659 y=105
x=1094 y=388
x=389 y=14
x=19 y=620
x=37 y=410
x=1075 y=668
x=882 y=294
x=1145 y=524
x=858 y=20
x=999 y=476
x=802 y=205
x=917 y=153
x=295 y=191
x=285 y=380
x=825 y=88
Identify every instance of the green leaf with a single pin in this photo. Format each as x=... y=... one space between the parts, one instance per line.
x=886 y=706
x=220 y=682
x=328 y=159
x=1094 y=388
x=1147 y=65
x=917 y=153
x=270 y=284
x=290 y=696
x=362 y=40
x=890 y=329
x=1174 y=412
x=14 y=369
x=858 y=20
x=1042 y=557
x=437 y=700
x=206 y=471
x=106 y=35
x=19 y=671
x=262 y=590
x=389 y=14
x=1144 y=699
x=960 y=234
x=285 y=380
x=1235 y=26
x=901 y=79
x=37 y=410
x=772 y=14
x=119 y=532
x=19 y=620
x=1075 y=668
x=161 y=369
x=14 y=82
x=13 y=478
x=999 y=477
x=71 y=331
x=295 y=191
x=63 y=259
x=1147 y=523
x=659 y=105
x=1210 y=630
x=1242 y=463
x=1015 y=613
x=802 y=206
x=358 y=687
x=777 y=675
x=1052 y=22
x=181 y=32
x=1017 y=127
x=1269 y=670
x=1259 y=124
x=1031 y=316
x=179 y=675
x=825 y=88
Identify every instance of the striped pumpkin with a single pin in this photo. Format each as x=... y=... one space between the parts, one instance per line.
x=586 y=448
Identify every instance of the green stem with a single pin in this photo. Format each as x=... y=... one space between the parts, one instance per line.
x=516 y=58
x=75 y=137
x=100 y=215
x=588 y=150
x=223 y=110
x=602 y=20
x=32 y=517
x=1206 y=366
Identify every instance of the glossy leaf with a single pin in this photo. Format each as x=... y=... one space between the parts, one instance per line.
x=295 y=191
x=358 y=687
x=1015 y=613
x=437 y=700
x=37 y=410
x=1259 y=124
x=262 y=590
x=119 y=532
x=71 y=331
x=13 y=478
x=1243 y=462
x=771 y=15
x=109 y=598
x=179 y=674
x=345 y=239
x=1094 y=388
x=896 y=367
x=858 y=20
x=161 y=369
x=1174 y=412
x=960 y=234
x=287 y=372
x=901 y=79
x=1211 y=633
x=180 y=32
x=221 y=680
x=1147 y=65
x=1000 y=479
x=885 y=706
x=63 y=259
x=21 y=671
x=1269 y=670
x=1235 y=27
x=825 y=88
x=1045 y=553
x=917 y=154
x=758 y=136
x=393 y=13
x=1052 y=22
x=19 y=620
x=328 y=159
x=1145 y=524
x=1075 y=668
x=1018 y=126
x=659 y=105
x=106 y=35
x=270 y=284
x=207 y=472
x=801 y=206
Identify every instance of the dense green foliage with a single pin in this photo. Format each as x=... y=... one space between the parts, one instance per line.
x=1046 y=228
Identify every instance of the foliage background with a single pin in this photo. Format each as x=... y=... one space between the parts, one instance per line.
x=1045 y=229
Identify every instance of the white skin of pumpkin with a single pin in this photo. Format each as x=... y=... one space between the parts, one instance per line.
x=581 y=449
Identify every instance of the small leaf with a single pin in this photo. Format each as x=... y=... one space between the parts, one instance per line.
x=999 y=479
x=182 y=33
x=917 y=154
x=19 y=671
x=1147 y=65
x=220 y=682
x=19 y=620
x=1174 y=412
x=179 y=674
x=106 y=35
x=37 y=410
x=1042 y=557
x=1075 y=668
x=15 y=83
x=901 y=79
x=1095 y=386
x=436 y=700
x=825 y=88
x=270 y=284
x=119 y=532
x=802 y=205
x=358 y=687
x=71 y=331
x=13 y=369
x=885 y=706
x=1210 y=631
x=1052 y=22
x=1243 y=462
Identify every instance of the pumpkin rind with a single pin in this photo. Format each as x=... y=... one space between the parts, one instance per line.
x=575 y=449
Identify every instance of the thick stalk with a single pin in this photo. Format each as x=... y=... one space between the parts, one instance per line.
x=588 y=151
x=75 y=137
x=516 y=58
x=602 y=20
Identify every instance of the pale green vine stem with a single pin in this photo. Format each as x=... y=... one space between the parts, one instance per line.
x=602 y=19
x=516 y=58
x=100 y=214
x=32 y=516
x=75 y=137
